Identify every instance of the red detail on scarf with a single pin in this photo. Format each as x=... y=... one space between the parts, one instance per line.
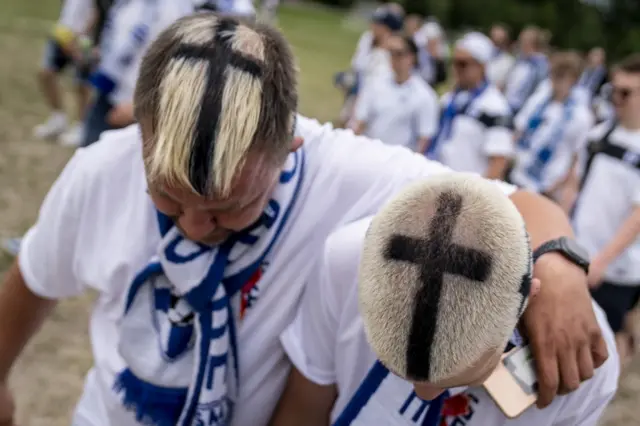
x=246 y=289
x=454 y=406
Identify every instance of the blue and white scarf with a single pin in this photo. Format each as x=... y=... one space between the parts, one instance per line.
x=544 y=154
x=459 y=103
x=177 y=335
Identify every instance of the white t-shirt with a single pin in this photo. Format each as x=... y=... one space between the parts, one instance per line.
x=398 y=114
x=327 y=344
x=609 y=195
x=572 y=139
x=121 y=54
x=75 y=14
x=481 y=133
x=499 y=67
x=98 y=229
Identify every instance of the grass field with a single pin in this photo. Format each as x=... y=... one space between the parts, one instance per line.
x=48 y=378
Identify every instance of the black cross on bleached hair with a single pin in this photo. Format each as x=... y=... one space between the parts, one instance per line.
x=206 y=82
x=443 y=276
x=435 y=255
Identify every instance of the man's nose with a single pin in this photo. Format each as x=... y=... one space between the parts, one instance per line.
x=196 y=224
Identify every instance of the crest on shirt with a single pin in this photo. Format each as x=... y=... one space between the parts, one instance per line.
x=250 y=291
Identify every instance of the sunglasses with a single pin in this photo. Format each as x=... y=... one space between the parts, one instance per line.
x=461 y=64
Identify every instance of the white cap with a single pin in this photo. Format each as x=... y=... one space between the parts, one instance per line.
x=478 y=45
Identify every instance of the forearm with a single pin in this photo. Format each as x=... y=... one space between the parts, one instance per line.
x=544 y=219
x=304 y=403
x=422 y=145
x=358 y=127
x=625 y=236
x=21 y=315
x=497 y=168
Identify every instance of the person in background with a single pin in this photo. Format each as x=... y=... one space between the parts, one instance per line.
x=530 y=68
x=399 y=110
x=371 y=59
x=433 y=53
x=474 y=132
x=550 y=132
x=130 y=27
x=502 y=62
x=595 y=74
x=74 y=16
x=607 y=214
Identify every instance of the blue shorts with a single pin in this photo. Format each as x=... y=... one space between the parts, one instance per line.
x=96 y=121
x=55 y=59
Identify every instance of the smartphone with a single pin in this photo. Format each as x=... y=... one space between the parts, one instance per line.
x=512 y=385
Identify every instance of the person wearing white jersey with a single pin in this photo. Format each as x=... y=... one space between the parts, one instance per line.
x=502 y=60
x=198 y=228
x=474 y=132
x=530 y=69
x=73 y=21
x=402 y=110
x=371 y=59
x=607 y=213
x=131 y=25
x=356 y=360
x=550 y=132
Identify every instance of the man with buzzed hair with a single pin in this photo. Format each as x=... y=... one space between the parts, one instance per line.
x=408 y=308
x=198 y=228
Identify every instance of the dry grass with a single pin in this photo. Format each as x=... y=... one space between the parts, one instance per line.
x=49 y=377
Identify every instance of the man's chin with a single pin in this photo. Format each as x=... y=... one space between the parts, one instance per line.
x=214 y=240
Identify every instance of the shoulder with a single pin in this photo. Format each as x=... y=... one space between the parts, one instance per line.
x=341 y=256
x=111 y=165
x=493 y=102
x=583 y=116
x=423 y=90
x=600 y=130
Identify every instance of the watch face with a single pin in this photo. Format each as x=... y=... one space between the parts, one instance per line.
x=575 y=249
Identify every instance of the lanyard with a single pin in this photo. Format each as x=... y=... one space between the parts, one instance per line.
x=448 y=114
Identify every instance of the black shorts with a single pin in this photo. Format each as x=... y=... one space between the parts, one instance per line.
x=616 y=301
x=55 y=59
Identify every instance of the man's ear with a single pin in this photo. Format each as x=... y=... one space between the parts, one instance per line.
x=297 y=143
x=535 y=288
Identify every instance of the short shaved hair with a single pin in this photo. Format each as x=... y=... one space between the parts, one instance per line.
x=444 y=276
x=213 y=89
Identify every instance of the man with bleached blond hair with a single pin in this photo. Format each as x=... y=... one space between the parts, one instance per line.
x=198 y=227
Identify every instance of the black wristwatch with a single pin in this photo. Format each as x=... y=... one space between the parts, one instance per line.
x=567 y=247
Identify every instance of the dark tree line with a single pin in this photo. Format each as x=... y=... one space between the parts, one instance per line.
x=576 y=24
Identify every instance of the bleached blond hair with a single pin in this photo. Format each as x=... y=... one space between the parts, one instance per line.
x=215 y=89
x=444 y=277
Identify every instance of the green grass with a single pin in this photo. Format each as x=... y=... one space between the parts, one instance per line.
x=321 y=43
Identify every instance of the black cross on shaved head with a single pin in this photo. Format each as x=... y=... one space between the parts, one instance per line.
x=435 y=255
x=220 y=57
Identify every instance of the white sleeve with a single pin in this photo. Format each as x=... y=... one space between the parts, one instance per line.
x=428 y=116
x=498 y=136
x=48 y=251
x=310 y=340
x=360 y=174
